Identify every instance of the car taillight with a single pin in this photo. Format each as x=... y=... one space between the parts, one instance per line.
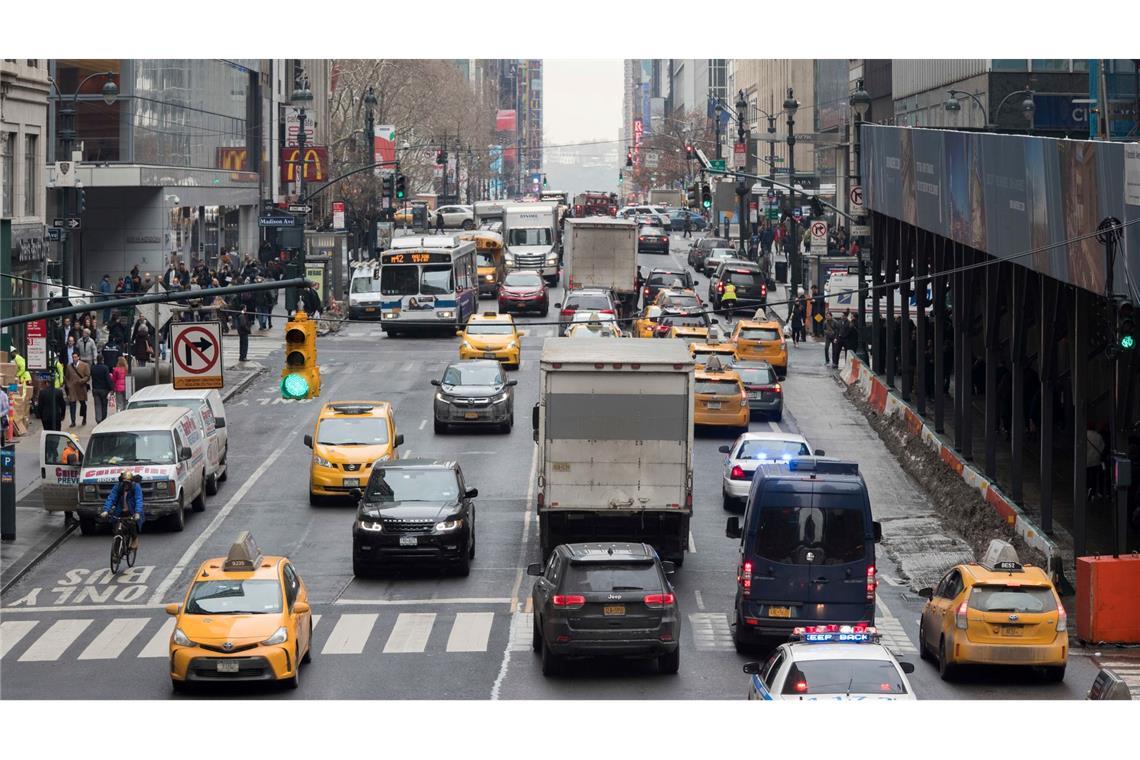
x=960 y=617
x=568 y=601
x=606 y=311
x=720 y=287
x=745 y=578
x=871 y=583
x=764 y=290
x=801 y=687
x=659 y=600
x=641 y=237
x=541 y=500
x=1062 y=619
x=777 y=388
x=737 y=473
x=646 y=291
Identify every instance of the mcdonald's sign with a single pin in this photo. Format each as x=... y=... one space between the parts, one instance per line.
x=316 y=161
x=233 y=159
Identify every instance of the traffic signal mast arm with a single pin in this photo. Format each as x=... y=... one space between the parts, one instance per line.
x=346 y=175
x=771 y=181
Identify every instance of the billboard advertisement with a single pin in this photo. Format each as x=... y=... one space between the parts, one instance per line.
x=384 y=149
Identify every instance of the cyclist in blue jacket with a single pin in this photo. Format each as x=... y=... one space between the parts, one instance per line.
x=126 y=498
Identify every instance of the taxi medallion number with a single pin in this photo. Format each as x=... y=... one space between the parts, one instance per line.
x=780 y=612
x=613 y=609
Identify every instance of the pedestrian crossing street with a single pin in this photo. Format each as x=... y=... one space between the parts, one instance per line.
x=1125 y=667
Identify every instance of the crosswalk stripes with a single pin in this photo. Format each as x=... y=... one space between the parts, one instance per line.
x=411 y=633
x=159 y=644
x=1126 y=668
x=55 y=641
x=350 y=633
x=711 y=632
x=114 y=639
x=891 y=630
x=522 y=624
x=470 y=632
x=11 y=631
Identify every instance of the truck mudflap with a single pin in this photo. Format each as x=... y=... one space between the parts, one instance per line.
x=667 y=532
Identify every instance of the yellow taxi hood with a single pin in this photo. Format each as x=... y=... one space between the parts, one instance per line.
x=240 y=629
x=351 y=454
x=489 y=341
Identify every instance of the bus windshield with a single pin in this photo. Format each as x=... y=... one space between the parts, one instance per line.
x=399 y=280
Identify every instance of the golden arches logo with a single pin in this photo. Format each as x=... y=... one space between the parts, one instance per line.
x=233 y=159
x=315 y=161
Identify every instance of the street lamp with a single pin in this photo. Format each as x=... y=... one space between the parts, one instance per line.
x=300 y=97
x=790 y=107
x=67 y=134
x=370 y=152
x=952 y=105
x=742 y=187
x=860 y=102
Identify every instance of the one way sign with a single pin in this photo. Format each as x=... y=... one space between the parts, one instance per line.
x=196 y=350
x=67 y=222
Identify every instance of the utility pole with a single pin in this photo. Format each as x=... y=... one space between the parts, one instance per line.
x=370 y=154
x=742 y=186
x=790 y=106
x=860 y=101
x=1119 y=465
x=719 y=156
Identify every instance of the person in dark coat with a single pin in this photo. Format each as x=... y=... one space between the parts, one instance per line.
x=101 y=387
x=51 y=406
x=141 y=347
x=243 y=328
x=310 y=301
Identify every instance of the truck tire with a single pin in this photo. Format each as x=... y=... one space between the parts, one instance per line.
x=198 y=504
x=177 y=520
x=87 y=526
x=212 y=484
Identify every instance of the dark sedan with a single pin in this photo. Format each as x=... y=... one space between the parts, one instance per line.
x=762 y=384
x=677 y=221
x=415 y=510
x=700 y=249
x=605 y=599
x=661 y=279
x=524 y=290
x=652 y=240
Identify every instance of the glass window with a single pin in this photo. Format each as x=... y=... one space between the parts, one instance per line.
x=771 y=449
x=292 y=585
x=611 y=576
x=810 y=535
x=529 y=236
x=436 y=280
x=647 y=230
x=399 y=281
x=61 y=450
x=686 y=320
x=759 y=333
x=412 y=484
x=681 y=301
x=475 y=373
x=9 y=178
x=490 y=328
x=1008 y=64
x=30 y=175
x=485 y=259
x=756 y=375
x=1050 y=64
x=234 y=597
x=1080 y=64
x=586 y=301
x=1012 y=599
x=523 y=280
x=772 y=667
x=745 y=280
x=717 y=387
x=358 y=431
x=365 y=284
x=131 y=448
x=843 y=677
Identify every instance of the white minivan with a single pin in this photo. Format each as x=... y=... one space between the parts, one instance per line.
x=207 y=403
x=165 y=447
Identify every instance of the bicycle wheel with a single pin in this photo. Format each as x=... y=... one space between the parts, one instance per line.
x=132 y=552
x=116 y=554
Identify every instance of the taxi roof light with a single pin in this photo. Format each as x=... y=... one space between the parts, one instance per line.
x=243 y=555
x=351 y=408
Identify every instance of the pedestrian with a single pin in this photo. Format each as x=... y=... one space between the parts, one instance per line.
x=828 y=340
x=86 y=347
x=688 y=225
x=818 y=311
x=262 y=308
x=851 y=342
x=183 y=276
x=77 y=381
x=51 y=406
x=842 y=327
x=101 y=387
x=141 y=347
x=311 y=301
x=70 y=348
x=119 y=383
x=106 y=289
x=170 y=278
x=5 y=406
x=243 y=328
x=799 y=313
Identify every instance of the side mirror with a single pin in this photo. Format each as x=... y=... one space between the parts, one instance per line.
x=399 y=439
x=521 y=333
x=819 y=453
x=436 y=383
x=877 y=528
x=512 y=383
x=534 y=569
x=185 y=453
x=173 y=609
x=751 y=668
x=219 y=422
x=534 y=419
x=926 y=593
x=907 y=667
x=309 y=441
x=732 y=528
x=471 y=493
x=300 y=608
x=725 y=449
x=668 y=567
x=356 y=494
x=558 y=306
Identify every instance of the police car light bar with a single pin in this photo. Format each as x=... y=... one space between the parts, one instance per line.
x=823 y=466
x=830 y=634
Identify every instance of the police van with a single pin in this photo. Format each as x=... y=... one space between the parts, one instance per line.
x=807 y=549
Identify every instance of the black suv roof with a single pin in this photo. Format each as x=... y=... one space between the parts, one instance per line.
x=609 y=552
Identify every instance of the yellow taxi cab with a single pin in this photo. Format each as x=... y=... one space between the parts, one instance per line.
x=645 y=325
x=690 y=328
x=246 y=617
x=679 y=299
x=492 y=336
x=720 y=397
x=1007 y=614
x=489 y=260
x=348 y=438
x=593 y=327
x=714 y=346
x=761 y=340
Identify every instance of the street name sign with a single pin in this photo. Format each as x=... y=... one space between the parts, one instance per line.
x=717 y=163
x=276 y=221
x=67 y=222
x=860 y=230
x=196 y=351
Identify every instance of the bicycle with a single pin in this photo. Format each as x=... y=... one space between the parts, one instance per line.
x=121 y=542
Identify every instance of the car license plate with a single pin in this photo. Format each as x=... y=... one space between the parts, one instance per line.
x=713 y=404
x=408 y=541
x=352 y=481
x=1011 y=630
x=471 y=415
x=370 y=308
x=227 y=667
x=613 y=609
x=488 y=354
x=780 y=612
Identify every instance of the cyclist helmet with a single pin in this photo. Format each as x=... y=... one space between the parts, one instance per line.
x=126 y=476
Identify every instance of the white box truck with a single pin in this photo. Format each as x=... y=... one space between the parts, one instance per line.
x=614 y=428
x=530 y=239
x=663 y=196
x=601 y=252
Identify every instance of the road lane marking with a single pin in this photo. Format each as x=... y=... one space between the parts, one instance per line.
x=423 y=424
x=219 y=518
x=774 y=427
x=462 y=600
x=522 y=628
x=408 y=366
x=470 y=632
x=83 y=608
x=113 y=639
x=700 y=600
x=411 y=632
x=891 y=630
x=711 y=632
x=316 y=619
x=11 y=631
x=692 y=544
x=56 y=640
x=350 y=634
x=159 y=644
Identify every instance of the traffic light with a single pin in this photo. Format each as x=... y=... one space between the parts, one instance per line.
x=301 y=377
x=388 y=186
x=544 y=183
x=706 y=195
x=629 y=157
x=816 y=207
x=1125 y=327
x=689 y=152
x=441 y=158
x=82 y=202
x=694 y=195
x=401 y=187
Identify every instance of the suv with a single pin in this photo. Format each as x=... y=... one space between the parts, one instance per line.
x=414 y=510
x=586 y=299
x=610 y=599
x=807 y=549
x=348 y=438
x=473 y=392
x=751 y=290
x=661 y=278
x=701 y=248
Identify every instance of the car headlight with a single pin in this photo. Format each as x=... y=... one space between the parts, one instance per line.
x=322 y=462
x=390 y=315
x=163 y=486
x=181 y=639
x=467 y=344
x=372 y=526
x=449 y=525
x=445 y=314
x=442 y=398
x=280 y=636
x=551 y=260
x=513 y=344
x=499 y=398
x=90 y=491
x=386 y=457
x=489 y=277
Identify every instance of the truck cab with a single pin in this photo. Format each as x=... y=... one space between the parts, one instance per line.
x=530 y=234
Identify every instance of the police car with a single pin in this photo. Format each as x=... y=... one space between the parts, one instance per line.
x=831 y=662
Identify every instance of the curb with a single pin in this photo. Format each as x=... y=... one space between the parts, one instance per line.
x=886 y=403
x=229 y=393
x=38 y=554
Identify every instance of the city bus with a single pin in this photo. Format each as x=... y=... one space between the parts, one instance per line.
x=427 y=284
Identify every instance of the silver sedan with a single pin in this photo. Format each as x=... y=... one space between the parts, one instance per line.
x=751 y=450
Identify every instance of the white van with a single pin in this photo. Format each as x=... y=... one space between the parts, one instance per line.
x=364 y=291
x=207 y=402
x=166 y=447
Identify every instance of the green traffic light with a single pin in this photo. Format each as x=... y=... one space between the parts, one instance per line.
x=1128 y=342
x=294 y=387
x=708 y=203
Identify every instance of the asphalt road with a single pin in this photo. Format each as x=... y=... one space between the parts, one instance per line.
x=67 y=631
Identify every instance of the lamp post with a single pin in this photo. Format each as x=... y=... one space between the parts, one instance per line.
x=67 y=134
x=790 y=107
x=860 y=102
x=952 y=105
x=300 y=97
x=370 y=153
x=719 y=155
x=741 y=185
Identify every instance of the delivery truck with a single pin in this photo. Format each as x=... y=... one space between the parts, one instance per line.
x=601 y=252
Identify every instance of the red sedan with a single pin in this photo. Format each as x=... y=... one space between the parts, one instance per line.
x=524 y=290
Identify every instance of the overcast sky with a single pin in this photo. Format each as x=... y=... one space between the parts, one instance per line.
x=581 y=100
